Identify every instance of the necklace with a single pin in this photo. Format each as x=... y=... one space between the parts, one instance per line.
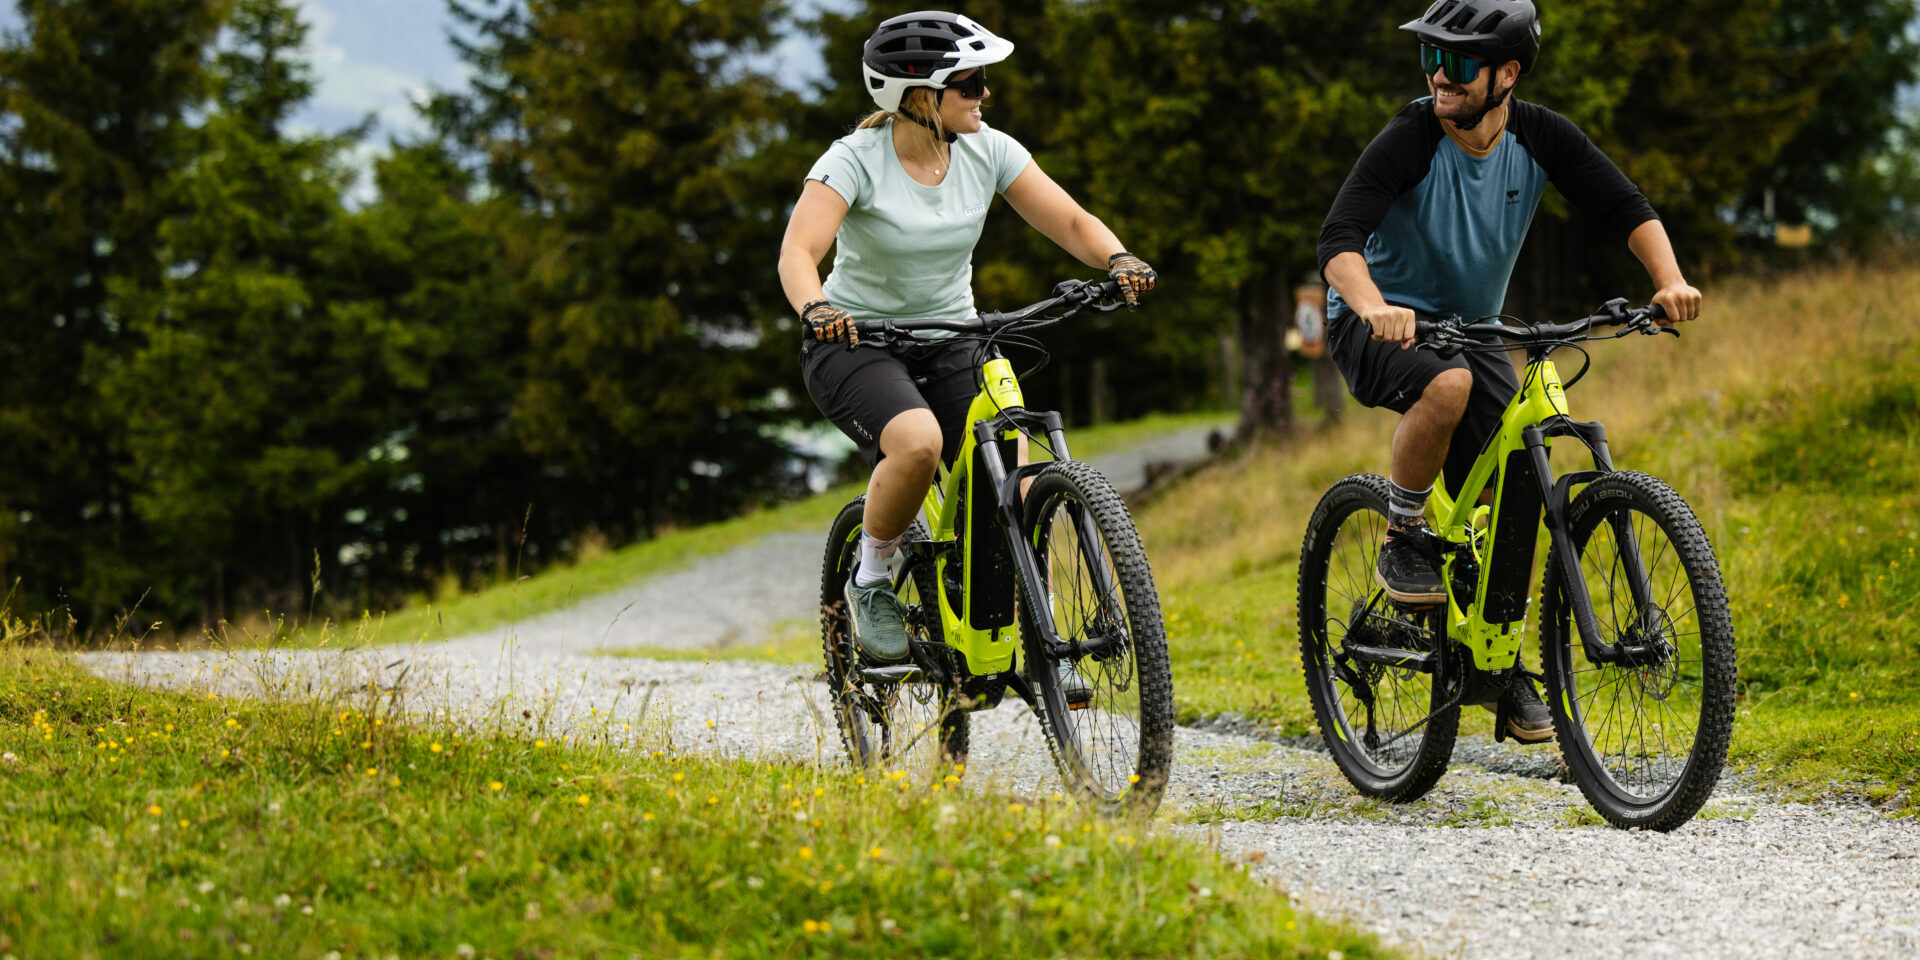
x=935 y=164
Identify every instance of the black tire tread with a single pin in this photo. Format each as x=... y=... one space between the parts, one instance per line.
x=956 y=735
x=1436 y=747
x=1115 y=523
x=1717 y=652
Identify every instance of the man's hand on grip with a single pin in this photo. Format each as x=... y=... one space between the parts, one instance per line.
x=1390 y=324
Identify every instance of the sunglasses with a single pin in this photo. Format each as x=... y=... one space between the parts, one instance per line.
x=974 y=87
x=1460 y=68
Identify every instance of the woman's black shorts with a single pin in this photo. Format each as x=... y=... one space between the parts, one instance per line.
x=862 y=390
x=1381 y=374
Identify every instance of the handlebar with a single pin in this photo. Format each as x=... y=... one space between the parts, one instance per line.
x=1102 y=296
x=1614 y=313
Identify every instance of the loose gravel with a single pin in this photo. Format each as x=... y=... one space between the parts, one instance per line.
x=1499 y=861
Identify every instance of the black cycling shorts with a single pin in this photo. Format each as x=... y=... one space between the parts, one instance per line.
x=1381 y=374
x=862 y=390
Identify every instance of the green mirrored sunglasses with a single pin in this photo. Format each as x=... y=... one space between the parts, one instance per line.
x=1460 y=68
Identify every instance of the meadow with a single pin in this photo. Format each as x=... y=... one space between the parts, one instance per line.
x=143 y=824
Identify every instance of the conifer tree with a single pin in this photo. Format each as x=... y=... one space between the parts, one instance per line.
x=95 y=95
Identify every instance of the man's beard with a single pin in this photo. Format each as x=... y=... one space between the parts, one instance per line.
x=1471 y=119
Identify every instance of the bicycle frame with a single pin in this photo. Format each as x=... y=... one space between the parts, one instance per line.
x=984 y=472
x=1524 y=487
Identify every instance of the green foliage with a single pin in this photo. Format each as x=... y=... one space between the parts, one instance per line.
x=657 y=185
x=94 y=97
x=143 y=824
x=1851 y=164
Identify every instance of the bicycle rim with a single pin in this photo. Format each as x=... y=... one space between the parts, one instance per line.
x=899 y=726
x=1648 y=733
x=1117 y=747
x=1380 y=722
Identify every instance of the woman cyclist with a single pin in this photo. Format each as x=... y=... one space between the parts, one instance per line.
x=904 y=197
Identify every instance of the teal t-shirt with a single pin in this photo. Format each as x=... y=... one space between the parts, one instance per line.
x=905 y=250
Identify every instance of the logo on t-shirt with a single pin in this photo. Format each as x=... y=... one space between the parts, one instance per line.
x=1513 y=196
x=975 y=209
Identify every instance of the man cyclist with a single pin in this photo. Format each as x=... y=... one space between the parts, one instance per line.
x=1428 y=225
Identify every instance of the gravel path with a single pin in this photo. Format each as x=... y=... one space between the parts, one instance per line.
x=737 y=597
x=1497 y=862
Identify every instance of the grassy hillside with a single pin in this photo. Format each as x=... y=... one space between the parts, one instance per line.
x=144 y=824
x=1789 y=417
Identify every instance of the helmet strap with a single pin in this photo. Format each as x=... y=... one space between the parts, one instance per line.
x=947 y=135
x=1493 y=103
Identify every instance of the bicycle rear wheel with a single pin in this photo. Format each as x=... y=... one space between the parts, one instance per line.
x=1380 y=713
x=1645 y=735
x=901 y=725
x=1116 y=748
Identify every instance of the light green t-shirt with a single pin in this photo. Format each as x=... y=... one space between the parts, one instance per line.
x=905 y=250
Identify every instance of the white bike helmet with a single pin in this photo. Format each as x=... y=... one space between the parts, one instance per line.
x=922 y=50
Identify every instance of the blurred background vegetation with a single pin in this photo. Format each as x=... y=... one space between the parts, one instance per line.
x=232 y=382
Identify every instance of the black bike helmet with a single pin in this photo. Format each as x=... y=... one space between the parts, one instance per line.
x=924 y=49
x=1491 y=30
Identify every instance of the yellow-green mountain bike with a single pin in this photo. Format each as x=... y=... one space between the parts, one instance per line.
x=1636 y=639
x=1002 y=587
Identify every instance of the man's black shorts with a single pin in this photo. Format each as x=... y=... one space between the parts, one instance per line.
x=1383 y=375
x=862 y=390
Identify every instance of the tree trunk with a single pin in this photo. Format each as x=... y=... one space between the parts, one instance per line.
x=1329 y=391
x=1101 y=394
x=1266 y=406
x=1229 y=370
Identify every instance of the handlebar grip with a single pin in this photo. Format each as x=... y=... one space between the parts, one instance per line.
x=1656 y=311
x=1426 y=328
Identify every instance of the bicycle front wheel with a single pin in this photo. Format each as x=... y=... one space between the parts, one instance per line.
x=1384 y=716
x=1645 y=733
x=900 y=725
x=1108 y=708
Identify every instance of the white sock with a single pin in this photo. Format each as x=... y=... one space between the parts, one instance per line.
x=876 y=560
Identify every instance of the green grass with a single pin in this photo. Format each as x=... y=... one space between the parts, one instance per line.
x=457 y=612
x=1789 y=417
x=140 y=824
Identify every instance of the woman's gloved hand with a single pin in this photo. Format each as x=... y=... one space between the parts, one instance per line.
x=824 y=321
x=1133 y=274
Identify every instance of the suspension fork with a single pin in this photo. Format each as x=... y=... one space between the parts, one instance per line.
x=1011 y=506
x=1558 y=496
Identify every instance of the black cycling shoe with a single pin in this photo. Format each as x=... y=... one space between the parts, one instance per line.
x=1528 y=720
x=1407 y=570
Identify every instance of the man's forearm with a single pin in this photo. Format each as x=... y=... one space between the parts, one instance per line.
x=1347 y=273
x=1649 y=243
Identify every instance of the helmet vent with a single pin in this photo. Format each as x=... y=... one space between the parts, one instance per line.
x=979 y=44
x=875 y=83
x=1492 y=22
x=1440 y=13
x=1461 y=21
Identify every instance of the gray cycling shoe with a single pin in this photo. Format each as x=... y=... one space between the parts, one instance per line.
x=879 y=622
x=1073 y=687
